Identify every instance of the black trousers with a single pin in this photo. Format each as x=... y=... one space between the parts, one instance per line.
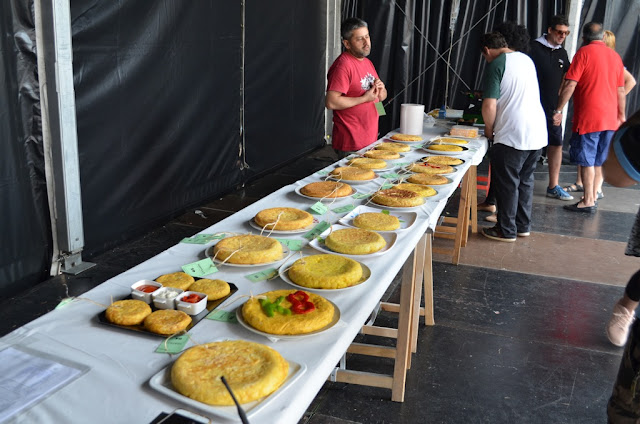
x=512 y=178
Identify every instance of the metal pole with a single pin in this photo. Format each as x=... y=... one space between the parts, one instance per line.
x=55 y=75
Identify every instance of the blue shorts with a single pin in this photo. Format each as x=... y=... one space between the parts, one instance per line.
x=590 y=149
x=555 y=133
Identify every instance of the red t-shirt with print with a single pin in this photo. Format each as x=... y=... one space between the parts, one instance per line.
x=355 y=127
x=599 y=72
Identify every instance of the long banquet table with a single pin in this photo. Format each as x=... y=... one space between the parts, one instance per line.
x=116 y=388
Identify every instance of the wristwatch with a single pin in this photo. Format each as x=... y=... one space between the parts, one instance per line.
x=557 y=111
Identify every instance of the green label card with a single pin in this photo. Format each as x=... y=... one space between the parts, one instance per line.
x=386 y=212
x=390 y=175
x=343 y=209
x=386 y=186
x=319 y=208
x=202 y=238
x=401 y=164
x=262 y=275
x=317 y=230
x=200 y=268
x=64 y=302
x=174 y=345
x=359 y=196
x=380 y=109
x=294 y=245
x=323 y=172
x=223 y=316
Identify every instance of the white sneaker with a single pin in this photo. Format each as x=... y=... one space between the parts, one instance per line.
x=619 y=324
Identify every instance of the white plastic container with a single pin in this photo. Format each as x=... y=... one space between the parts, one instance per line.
x=191 y=308
x=165 y=298
x=144 y=296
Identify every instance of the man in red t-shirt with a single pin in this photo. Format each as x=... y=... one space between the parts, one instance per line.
x=353 y=87
x=596 y=80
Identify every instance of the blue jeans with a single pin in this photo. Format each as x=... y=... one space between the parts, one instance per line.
x=512 y=178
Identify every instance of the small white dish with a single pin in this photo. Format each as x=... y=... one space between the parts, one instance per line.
x=407 y=219
x=318 y=243
x=165 y=298
x=138 y=294
x=191 y=308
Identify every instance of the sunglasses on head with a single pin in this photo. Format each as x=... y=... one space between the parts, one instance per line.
x=559 y=32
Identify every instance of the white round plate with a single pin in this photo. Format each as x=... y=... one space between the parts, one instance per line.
x=334 y=321
x=405 y=142
x=366 y=273
x=209 y=254
x=330 y=199
x=407 y=219
x=390 y=238
x=422 y=159
x=350 y=182
x=389 y=167
x=406 y=168
x=267 y=230
x=446 y=153
x=405 y=208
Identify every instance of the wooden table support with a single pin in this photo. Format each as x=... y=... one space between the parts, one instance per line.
x=457 y=228
x=416 y=269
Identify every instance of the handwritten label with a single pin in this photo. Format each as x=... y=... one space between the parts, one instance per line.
x=262 y=275
x=317 y=230
x=319 y=208
x=200 y=268
x=343 y=209
x=223 y=316
x=294 y=245
x=174 y=345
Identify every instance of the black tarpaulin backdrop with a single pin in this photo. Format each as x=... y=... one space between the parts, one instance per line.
x=158 y=92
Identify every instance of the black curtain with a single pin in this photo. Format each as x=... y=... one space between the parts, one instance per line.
x=159 y=98
x=25 y=233
x=159 y=95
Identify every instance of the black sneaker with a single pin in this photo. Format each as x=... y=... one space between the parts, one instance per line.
x=495 y=233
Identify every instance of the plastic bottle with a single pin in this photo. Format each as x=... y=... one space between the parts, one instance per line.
x=442 y=113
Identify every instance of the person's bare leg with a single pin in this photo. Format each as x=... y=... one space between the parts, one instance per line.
x=579 y=177
x=588 y=177
x=598 y=180
x=554 y=157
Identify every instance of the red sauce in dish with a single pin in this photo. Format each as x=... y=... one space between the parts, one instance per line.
x=147 y=288
x=191 y=298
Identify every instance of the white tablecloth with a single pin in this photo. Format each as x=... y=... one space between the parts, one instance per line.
x=116 y=388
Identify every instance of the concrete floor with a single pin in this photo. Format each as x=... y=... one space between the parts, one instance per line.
x=519 y=334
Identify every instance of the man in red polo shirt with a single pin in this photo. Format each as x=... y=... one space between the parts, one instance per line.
x=596 y=80
x=353 y=87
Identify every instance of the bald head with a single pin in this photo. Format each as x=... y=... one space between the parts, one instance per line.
x=592 y=31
